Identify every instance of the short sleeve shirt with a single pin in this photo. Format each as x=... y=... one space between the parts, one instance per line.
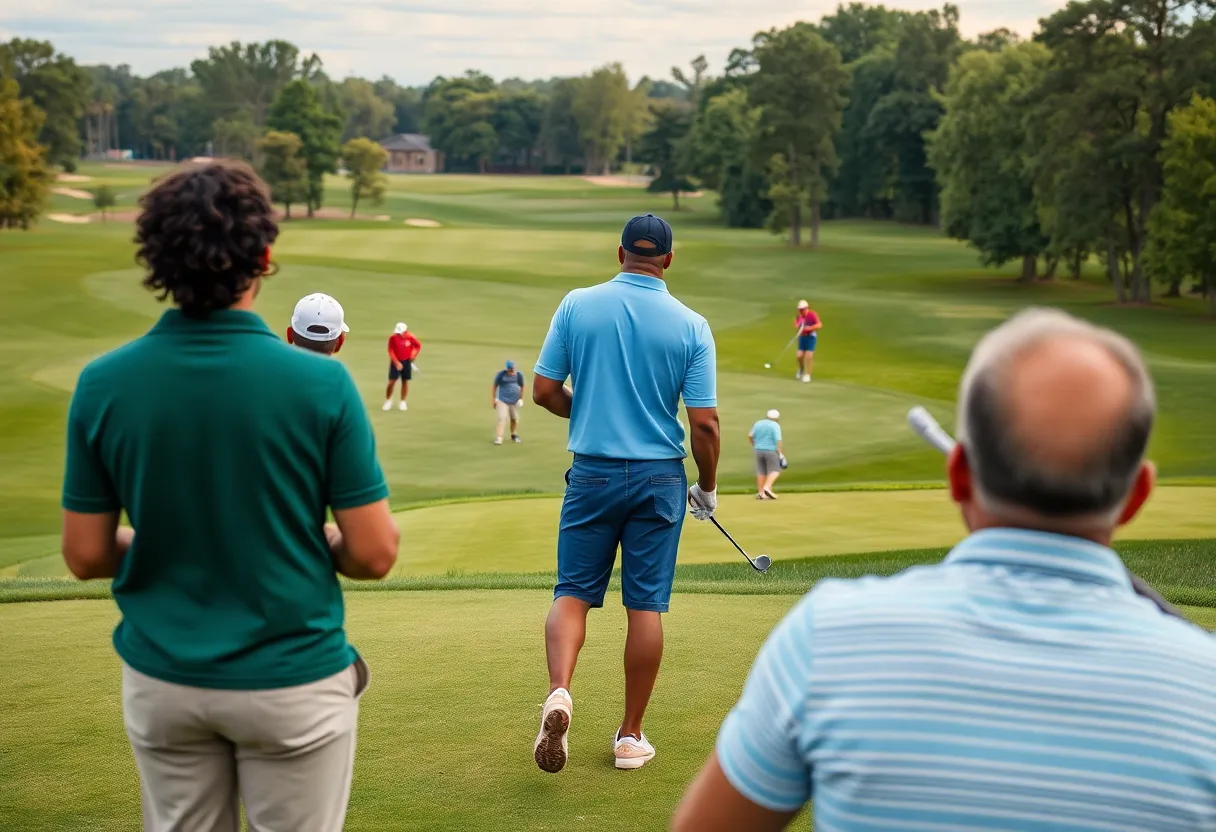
x=225 y=447
x=766 y=434
x=509 y=386
x=632 y=352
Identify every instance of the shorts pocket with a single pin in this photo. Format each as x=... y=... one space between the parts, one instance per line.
x=585 y=482
x=669 y=498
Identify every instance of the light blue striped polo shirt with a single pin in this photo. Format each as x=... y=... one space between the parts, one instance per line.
x=1020 y=685
x=631 y=351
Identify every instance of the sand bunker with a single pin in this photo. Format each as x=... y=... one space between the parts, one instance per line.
x=418 y=222
x=74 y=177
x=72 y=218
x=74 y=193
x=618 y=181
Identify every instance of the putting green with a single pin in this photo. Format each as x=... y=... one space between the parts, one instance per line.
x=520 y=535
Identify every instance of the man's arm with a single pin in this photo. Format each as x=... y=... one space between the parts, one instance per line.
x=94 y=544
x=364 y=541
x=392 y=356
x=553 y=396
x=704 y=434
x=713 y=804
x=494 y=393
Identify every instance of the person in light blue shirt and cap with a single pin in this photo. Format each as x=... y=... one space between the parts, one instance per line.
x=631 y=352
x=765 y=437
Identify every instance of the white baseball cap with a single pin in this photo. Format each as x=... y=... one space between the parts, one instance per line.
x=318 y=317
x=803 y=305
x=399 y=328
x=773 y=414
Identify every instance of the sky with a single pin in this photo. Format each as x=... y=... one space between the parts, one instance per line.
x=415 y=40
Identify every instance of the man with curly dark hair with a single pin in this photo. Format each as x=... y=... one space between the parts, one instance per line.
x=225 y=447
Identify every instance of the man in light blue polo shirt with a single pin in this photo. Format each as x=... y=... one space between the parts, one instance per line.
x=1021 y=684
x=632 y=352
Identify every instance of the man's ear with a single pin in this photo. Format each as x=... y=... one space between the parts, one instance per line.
x=265 y=262
x=341 y=341
x=958 y=474
x=1142 y=487
x=620 y=255
x=291 y=335
x=667 y=260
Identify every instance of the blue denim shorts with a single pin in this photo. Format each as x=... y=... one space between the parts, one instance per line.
x=638 y=506
x=806 y=343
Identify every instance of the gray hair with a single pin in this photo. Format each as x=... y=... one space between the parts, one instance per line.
x=1008 y=475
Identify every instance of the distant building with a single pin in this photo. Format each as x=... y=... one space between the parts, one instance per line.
x=411 y=153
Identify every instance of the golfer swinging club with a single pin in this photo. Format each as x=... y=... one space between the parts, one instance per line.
x=632 y=352
x=808 y=325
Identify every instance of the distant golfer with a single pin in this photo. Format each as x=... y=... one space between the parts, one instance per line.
x=508 y=394
x=808 y=325
x=317 y=325
x=403 y=348
x=632 y=352
x=765 y=437
x=226 y=448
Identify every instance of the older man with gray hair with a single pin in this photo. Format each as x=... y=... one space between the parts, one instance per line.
x=1019 y=684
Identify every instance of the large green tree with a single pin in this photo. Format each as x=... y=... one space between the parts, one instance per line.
x=284 y=168
x=559 y=136
x=980 y=152
x=799 y=88
x=1118 y=71
x=407 y=105
x=663 y=147
x=458 y=115
x=516 y=119
x=1182 y=239
x=57 y=87
x=24 y=178
x=364 y=162
x=297 y=109
x=604 y=107
x=247 y=77
x=367 y=114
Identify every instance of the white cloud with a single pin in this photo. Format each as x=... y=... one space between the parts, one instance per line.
x=414 y=40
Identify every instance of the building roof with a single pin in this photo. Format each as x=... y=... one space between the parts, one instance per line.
x=408 y=141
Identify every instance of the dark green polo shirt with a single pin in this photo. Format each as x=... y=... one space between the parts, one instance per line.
x=224 y=445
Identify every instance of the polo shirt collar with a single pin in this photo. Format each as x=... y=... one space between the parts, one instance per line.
x=641 y=280
x=221 y=321
x=1052 y=554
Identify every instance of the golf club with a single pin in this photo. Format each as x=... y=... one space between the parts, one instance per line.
x=786 y=347
x=927 y=428
x=760 y=563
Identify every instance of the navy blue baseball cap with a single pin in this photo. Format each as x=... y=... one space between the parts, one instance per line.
x=647 y=228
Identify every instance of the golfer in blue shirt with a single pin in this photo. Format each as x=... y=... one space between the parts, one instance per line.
x=631 y=351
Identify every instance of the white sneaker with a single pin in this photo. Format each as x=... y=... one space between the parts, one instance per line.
x=551 y=748
x=497 y=440
x=388 y=405
x=798 y=376
x=404 y=406
x=631 y=753
x=806 y=379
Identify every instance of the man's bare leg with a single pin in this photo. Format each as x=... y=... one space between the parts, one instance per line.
x=760 y=483
x=769 y=481
x=565 y=632
x=405 y=389
x=388 y=394
x=643 y=653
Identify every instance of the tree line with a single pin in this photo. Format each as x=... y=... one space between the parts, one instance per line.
x=1090 y=140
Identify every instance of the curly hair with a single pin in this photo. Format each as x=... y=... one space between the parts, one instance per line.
x=203 y=233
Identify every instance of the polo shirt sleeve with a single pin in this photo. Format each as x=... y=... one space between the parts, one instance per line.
x=778 y=430
x=87 y=486
x=554 y=360
x=353 y=476
x=757 y=746
x=701 y=378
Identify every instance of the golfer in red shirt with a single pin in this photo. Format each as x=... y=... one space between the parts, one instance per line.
x=403 y=348
x=808 y=325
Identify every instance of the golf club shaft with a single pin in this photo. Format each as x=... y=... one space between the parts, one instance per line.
x=714 y=520
x=928 y=429
x=786 y=347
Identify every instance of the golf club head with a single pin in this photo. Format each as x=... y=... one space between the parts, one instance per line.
x=762 y=562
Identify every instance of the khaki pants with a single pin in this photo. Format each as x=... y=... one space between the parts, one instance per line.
x=507 y=412
x=287 y=754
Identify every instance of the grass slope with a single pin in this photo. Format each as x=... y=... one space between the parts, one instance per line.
x=902 y=307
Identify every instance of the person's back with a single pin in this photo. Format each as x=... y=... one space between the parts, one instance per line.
x=977 y=693
x=631 y=345
x=766 y=434
x=226 y=406
x=225 y=447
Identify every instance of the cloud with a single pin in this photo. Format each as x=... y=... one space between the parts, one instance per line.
x=415 y=40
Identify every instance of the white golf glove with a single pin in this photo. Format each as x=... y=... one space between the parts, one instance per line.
x=702 y=503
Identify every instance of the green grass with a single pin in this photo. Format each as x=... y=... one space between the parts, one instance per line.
x=445 y=729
